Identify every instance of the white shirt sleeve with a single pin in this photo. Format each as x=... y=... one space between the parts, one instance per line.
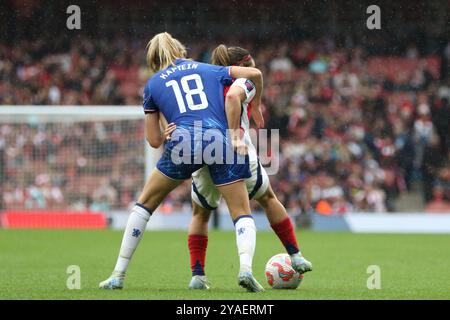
x=248 y=86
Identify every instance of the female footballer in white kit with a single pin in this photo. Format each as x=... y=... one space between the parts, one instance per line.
x=206 y=197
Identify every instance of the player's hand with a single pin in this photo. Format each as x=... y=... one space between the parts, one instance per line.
x=240 y=146
x=257 y=114
x=258 y=118
x=171 y=127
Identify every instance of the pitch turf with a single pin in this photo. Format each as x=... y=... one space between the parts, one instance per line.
x=33 y=265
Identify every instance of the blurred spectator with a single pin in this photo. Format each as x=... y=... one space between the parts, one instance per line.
x=438 y=204
x=355 y=134
x=76 y=166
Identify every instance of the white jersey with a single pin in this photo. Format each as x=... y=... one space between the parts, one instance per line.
x=250 y=91
x=203 y=191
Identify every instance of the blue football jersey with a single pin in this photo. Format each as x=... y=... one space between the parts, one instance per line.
x=187 y=92
x=190 y=94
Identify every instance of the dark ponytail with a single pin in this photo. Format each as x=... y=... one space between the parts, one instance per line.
x=220 y=56
x=227 y=56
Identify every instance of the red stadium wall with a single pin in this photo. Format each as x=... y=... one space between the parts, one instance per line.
x=14 y=219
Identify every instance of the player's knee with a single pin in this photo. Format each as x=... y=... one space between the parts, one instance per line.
x=266 y=198
x=200 y=214
x=199 y=221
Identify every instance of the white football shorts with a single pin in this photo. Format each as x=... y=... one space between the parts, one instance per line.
x=206 y=194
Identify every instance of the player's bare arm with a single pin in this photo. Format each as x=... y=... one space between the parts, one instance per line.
x=253 y=74
x=166 y=128
x=233 y=108
x=153 y=133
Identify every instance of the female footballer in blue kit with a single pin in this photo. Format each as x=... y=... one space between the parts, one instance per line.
x=190 y=95
x=206 y=197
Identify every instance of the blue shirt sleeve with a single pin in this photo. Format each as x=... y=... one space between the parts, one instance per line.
x=223 y=74
x=149 y=104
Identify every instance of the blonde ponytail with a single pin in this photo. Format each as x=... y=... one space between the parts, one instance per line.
x=163 y=50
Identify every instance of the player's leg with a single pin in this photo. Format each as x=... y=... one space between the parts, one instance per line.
x=157 y=187
x=197 y=243
x=282 y=225
x=236 y=197
x=205 y=198
x=199 y=221
x=258 y=186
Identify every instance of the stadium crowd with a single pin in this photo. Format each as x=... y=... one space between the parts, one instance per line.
x=356 y=130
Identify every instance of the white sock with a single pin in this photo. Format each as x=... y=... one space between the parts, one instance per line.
x=136 y=224
x=246 y=241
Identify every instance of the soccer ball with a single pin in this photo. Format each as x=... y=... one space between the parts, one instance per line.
x=280 y=274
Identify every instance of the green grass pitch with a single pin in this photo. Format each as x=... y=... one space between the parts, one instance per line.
x=33 y=265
